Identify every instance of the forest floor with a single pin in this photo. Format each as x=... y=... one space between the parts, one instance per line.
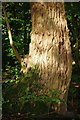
x=52 y=116
x=73 y=107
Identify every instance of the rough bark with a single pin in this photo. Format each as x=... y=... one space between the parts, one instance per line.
x=50 y=47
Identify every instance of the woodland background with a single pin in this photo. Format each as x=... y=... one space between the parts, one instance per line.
x=17 y=99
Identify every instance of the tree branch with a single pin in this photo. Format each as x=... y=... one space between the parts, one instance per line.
x=10 y=36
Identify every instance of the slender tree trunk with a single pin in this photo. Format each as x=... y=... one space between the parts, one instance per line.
x=23 y=61
x=10 y=35
x=25 y=18
x=50 y=47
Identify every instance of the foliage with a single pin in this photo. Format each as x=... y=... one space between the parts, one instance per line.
x=73 y=20
x=16 y=21
x=21 y=93
x=25 y=93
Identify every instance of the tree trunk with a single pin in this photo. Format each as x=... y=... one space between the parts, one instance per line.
x=50 y=48
x=25 y=46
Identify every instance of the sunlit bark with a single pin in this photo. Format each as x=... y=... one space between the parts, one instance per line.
x=50 y=48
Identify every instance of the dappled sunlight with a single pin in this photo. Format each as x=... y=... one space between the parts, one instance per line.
x=45 y=80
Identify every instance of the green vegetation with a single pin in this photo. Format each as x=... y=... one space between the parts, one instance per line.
x=27 y=95
x=23 y=94
x=73 y=20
